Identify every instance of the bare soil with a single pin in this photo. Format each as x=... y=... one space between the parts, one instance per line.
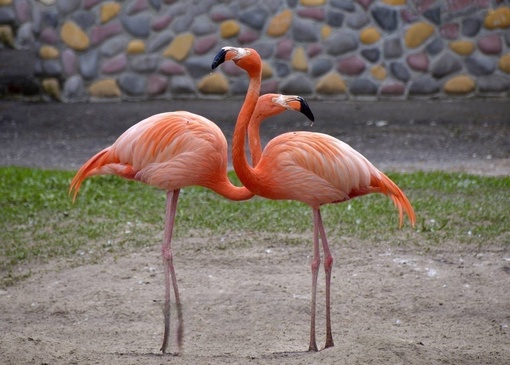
x=390 y=305
x=448 y=304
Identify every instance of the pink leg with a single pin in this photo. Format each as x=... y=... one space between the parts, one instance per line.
x=328 y=265
x=315 y=273
x=166 y=252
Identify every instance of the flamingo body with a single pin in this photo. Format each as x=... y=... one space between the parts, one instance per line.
x=317 y=169
x=312 y=168
x=169 y=151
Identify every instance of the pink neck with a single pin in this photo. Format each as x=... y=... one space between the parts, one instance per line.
x=243 y=170
x=232 y=192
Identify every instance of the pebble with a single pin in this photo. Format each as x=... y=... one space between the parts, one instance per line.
x=418 y=62
x=341 y=43
x=392 y=48
x=74 y=89
x=113 y=46
x=304 y=30
x=115 y=64
x=146 y=48
x=491 y=44
x=137 y=25
x=394 y=88
x=132 y=83
x=297 y=84
x=445 y=65
x=215 y=83
x=254 y=18
x=145 y=63
x=493 y=83
x=69 y=62
x=399 y=71
x=198 y=66
x=321 y=66
x=89 y=64
x=351 y=66
x=182 y=85
x=156 y=84
x=363 y=86
x=371 y=54
x=479 y=65
x=160 y=40
x=424 y=85
x=471 y=26
x=385 y=18
x=331 y=84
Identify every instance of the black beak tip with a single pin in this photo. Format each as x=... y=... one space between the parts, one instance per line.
x=219 y=58
x=305 y=109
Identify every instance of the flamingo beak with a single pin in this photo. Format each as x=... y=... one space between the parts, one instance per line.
x=219 y=58
x=305 y=109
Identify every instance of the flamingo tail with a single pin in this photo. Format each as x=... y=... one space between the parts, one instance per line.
x=95 y=166
x=386 y=186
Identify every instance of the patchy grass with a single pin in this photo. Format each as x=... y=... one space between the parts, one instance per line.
x=111 y=215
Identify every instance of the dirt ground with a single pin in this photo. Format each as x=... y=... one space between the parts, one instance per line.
x=448 y=304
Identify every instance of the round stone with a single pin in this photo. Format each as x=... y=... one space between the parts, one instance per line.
x=132 y=84
x=115 y=64
x=74 y=37
x=156 y=85
x=363 y=86
x=352 y=65
x=417 y=34
x=491 y=44
x=370 y=35
x=214 y=83
x=89 y=64
x=386 y=18
x=418 y=62
x=424 y=85
x=460 y=85
x=445 y=65
x=499 y=18
x=297 y=84
x=480 y=65
x=400 y=71
x=104 y=89
x=74 y=89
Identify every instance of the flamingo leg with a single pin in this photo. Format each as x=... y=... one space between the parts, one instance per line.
x=166 y=252
x=316 y=261
x=328 y=266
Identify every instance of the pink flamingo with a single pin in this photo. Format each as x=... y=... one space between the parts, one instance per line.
x=312 y=168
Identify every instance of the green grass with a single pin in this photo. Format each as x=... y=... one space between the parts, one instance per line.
x=38 y=221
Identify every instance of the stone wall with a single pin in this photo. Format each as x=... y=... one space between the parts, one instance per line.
x=329 y=49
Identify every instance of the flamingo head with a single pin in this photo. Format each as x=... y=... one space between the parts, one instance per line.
x=273 y=104
x=294 y=102
x=246 y=58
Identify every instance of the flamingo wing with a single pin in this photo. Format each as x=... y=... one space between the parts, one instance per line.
x=314 y=168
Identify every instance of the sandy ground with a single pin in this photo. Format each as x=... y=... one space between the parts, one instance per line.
x=448 y=304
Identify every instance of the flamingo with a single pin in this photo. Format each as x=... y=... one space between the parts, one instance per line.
x=313 y=168
x=171 y=151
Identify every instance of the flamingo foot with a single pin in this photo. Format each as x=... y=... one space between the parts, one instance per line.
x=313 y=347
x=180 y=328
x=329 y=343
x=166 y=313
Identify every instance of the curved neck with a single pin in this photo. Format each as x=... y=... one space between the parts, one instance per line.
x=254 y=136
x=243 y=170
x=232 y=192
